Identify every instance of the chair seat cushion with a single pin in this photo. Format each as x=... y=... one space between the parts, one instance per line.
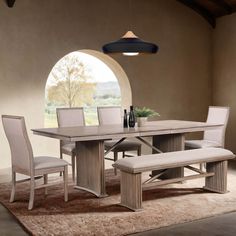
x=126 y=145
x=192 y=144
x=45 y=162
x=68 y=148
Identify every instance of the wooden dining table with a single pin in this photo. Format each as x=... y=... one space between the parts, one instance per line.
x=167 y=136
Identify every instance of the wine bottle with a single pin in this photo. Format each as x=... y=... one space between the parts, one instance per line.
x=125 y=120
x=131 y=117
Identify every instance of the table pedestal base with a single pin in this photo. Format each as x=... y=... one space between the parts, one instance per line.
x=169 y=143
x=90 y=167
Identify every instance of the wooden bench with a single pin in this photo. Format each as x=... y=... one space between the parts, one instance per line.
x=132 y=168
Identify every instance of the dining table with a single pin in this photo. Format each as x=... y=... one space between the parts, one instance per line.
x=167 y=136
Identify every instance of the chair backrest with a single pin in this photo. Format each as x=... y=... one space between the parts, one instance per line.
x=21 y=150
x=217 y=115
x=109 y=115
x=69 y=117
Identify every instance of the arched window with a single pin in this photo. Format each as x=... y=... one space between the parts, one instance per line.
x=82 y=79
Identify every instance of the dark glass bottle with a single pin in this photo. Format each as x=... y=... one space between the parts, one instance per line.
x=131 y=117
x=125 y=120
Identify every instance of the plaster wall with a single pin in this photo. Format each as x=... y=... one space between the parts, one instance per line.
x=34 y=35
x=224 y=72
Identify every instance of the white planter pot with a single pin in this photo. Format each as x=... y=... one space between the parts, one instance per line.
x=141 y=121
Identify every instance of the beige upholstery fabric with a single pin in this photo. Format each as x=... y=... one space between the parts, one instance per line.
x=44 y=162
x=216 y=137
x=23 y=161
x=109 y=115
x=172 y=159
x=21 y=150
x=68 y=148
x=69 y=117
x=217 y=115
x=112 y=116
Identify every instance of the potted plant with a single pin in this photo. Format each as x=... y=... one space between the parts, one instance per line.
x=143 y=113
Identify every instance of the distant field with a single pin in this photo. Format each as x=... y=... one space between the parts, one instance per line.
x=50 y=120
x=106 y=94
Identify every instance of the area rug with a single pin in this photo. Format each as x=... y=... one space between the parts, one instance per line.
x=85 y=214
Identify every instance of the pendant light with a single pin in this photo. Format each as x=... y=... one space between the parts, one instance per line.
x=10 y=3
x=130 y=44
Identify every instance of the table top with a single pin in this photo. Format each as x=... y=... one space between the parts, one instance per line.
x=151 y=128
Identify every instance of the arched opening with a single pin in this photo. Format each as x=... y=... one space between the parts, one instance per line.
x=88 y=79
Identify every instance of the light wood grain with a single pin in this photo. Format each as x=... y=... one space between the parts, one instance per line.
x=104 y=132
x=90 y=167
x=169 y=136
x=13 y=189
x=218 y=182
x=131 y=171
x=24 y=162
x=131 y=190
x=169 y=143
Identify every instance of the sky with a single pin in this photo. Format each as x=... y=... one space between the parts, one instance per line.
x=100 y=72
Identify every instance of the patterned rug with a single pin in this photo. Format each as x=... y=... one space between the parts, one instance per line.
x=85 y=214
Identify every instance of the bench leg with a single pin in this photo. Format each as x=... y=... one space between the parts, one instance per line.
x=218 y=182
x=131 y=191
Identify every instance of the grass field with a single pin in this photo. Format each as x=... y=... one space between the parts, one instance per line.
x=50 y=120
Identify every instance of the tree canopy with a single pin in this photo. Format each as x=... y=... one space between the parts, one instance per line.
x=70 y=83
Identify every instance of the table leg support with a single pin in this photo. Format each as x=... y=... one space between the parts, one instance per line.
x=90 y=167
x=170 y=143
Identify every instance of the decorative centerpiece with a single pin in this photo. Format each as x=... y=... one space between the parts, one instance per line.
x=143 y=113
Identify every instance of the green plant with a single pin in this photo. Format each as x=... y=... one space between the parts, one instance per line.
x=144 y=112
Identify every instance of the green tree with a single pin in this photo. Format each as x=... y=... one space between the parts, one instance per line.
x=70 y=83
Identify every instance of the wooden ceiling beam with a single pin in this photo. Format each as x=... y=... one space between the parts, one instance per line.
x=10 y=3
x=223 y=5
x=200 y=10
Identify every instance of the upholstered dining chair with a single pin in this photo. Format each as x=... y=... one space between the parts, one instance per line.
x=69 y=117
x=110 y=116
x=24 y=162
x=215 y=137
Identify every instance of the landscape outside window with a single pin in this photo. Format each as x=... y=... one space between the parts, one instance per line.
x=80 y=80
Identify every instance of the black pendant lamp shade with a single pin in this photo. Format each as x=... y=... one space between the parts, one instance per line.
x=10 y=3
x=130 y=45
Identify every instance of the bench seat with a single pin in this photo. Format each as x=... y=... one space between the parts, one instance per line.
x=172 y=159
x=132 y=168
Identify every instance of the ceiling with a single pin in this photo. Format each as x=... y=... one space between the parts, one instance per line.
x=211 y=9
x=208 y=9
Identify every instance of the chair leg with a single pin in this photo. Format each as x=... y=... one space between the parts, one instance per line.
x=201 y=166
x=65 y=177
x=45 y=180
x=13 y=190
x=32 y=189
x=61 y=157
x=73 y=157
x=115 y=159
x=139 y=151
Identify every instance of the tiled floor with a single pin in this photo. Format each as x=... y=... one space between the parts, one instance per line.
x=9 y=225
x=223 y=225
